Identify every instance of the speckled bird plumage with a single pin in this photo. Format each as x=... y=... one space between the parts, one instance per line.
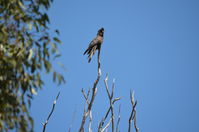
x=95 y=44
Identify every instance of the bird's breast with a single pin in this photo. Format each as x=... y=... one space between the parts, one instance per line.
x=100 y=39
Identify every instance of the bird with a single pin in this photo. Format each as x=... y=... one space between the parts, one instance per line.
x=95 y=44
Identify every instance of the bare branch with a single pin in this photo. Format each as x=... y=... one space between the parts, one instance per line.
x=94 y=92
x=107 y=125
x=90 y=122
x=111 y=103
x=54 y=103
x=110 y=96
x=118 y=121
x=135 y=121
x=116 y=99
x=86 y=96
x=133 y=113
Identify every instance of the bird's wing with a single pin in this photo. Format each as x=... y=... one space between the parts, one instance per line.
x=92 y=44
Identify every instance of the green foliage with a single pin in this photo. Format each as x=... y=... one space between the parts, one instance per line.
x=26 y=49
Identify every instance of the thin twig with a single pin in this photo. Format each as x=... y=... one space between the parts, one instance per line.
x=54 y=103
x=107 y=113
x=86 y=96
x=133 y=113
x=90 y=122
x=118 y=121
x=135 y=121
x=111 y=102
x=94 y=92
x=107 y=125
x=110 y=96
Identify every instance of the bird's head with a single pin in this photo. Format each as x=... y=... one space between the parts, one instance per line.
x=101 y=32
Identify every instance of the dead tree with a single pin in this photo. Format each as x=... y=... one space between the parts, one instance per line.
x=94 y=92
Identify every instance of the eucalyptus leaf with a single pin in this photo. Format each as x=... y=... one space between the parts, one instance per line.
x=24 y=54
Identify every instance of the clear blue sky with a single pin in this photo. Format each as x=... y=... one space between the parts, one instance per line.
x=150 y=46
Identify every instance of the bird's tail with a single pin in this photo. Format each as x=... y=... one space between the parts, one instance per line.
x=86 y=51
x=91 y=53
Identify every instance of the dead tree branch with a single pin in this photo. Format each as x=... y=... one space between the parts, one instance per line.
x=54 y=103
x=111 y=103
x=118 y=121
x=90 y=115
x=107 y=125
x=110 y=96
x=133 y=113
x=94 y=92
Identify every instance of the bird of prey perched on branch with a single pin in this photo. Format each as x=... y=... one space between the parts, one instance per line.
x=95 y=44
